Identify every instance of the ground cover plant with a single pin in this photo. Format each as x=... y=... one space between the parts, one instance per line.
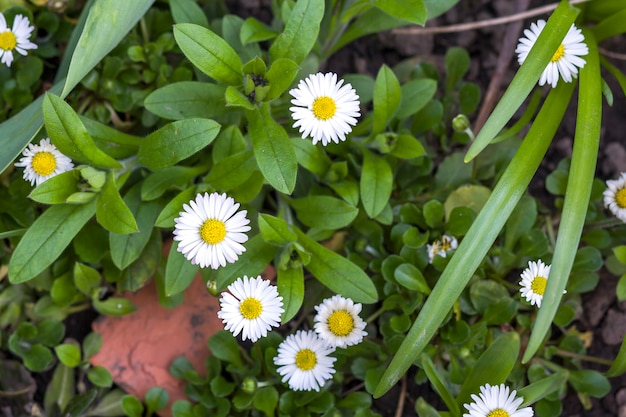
x=409 y=254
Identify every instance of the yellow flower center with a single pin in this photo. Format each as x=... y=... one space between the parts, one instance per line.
x=340 y=323
x=539 y=285
x=44 y=163
x=620 y=198
x=445 y=244
x=306 y=359
x=213 y=231
x=250 y=308
x=8 y=41
x=324 y=107
x=498 y=412
x=560 y=51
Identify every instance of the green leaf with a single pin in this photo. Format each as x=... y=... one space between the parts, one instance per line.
x=526 y=77
x=579 y=184
x=232 y=171
x=225 y=347
x=68 y=354
x=493 y=366
x=176 y=141
x=179 y=272
x=338 y=273
x=273 y=150
x=266 y=400
x=210 y=53
x=86 y=278
x=112 y=213
x=436 y=8
x=187 y=99
x=46 y=239
x=38 y=358
x=110 y=405
x=587 y=381
x=80 y=403
x=540 y=389
x=102 y=32
x=253 y=30
x=132 y=406
x=311 y=157
x=290 y=282
x=300 y=33
x=410 y=277
x=280 y=76
x=413 y=11
x=114 y=306
x=275 y=230
x=61 y=388
x=56 y=189
x=324 y=212
x=126 y=248
x=619 y=363
x=156 y=399
x=70 y=136
x=236 y=98
x=173 y=209
x=387 y=96
x=479 y=239
x=376 y=183
x=175 y=177
x=252 y=262
x=188 y=11
x=92 y=344
x=438 y=384
x=457 y=64
x=415 y=95
x=522 y=220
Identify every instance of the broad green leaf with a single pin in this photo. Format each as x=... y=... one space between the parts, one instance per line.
x=112 y=213
x=46 y=239
x=338 y=273
x=188 y=11
x=225 y=347
x=540 y=389
x=132 y=406
x=116 y=144
x=109 y=406
x=619 y=364
x=236 y=98
x=114 y=306
x=387 y=96
x=493 y=366
x=179 y=272
x=61 y=388
x=253 y=30
x=415 y=95
x=275 y=230
x=55 y=190
x=311 y=157
x=611 y=26
x=173 y=209
x=176 y=141
x=324 y=212
x=109 y=21
x=86 y=278
x=526 y=77
x=290 y=283
x=483 y=232
x=70 y=136
x=522 y=220
x=252 y=262
x=438 y=384
x=273 y=150
x=99 y=376
x=266 y=400
x=300 y=33
x=210 y=53
x=579 y=184
x=472 y=196
x=156 y=399
x=187 y=99
x=68 y=354
x=126 y=248
x=457 y=64
x=280 y=76
x=410 y=277
x=413 y=11
x=175 y=177
x=435 y=8
x=587 y=381
x=232 y=171
x=376 y=183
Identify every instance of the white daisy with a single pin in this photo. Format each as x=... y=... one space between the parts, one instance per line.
x=441 y=247
x=251 y=307
x=534 y=280
x=337 y=322
x=325 y=110
x=496 y=402
x=43 y=161
x=565 y=61
x=303 y=361
x=210 y=230
x=615 y=197
x=16 y=39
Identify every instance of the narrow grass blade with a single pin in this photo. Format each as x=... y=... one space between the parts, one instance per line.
x=579 y=183
x=527 y=76
x=480 y=237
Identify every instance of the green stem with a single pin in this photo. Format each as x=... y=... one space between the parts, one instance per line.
x=587 y=358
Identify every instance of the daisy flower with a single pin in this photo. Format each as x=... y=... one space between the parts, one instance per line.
x=496 y=402
x=43 y=161
x=323 y=108
x=338 y=323
x=615 y=197
x=303 y=361
x=16 y=39
x=251 y=307
x=534 y=281
x=565 y=61
x=441 y=247
x=210 y=230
